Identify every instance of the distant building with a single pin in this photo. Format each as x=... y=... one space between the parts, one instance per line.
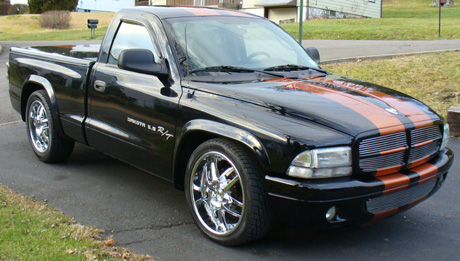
x=23 y=2
x=289 y=10
x=103 y=5
x=278 y=11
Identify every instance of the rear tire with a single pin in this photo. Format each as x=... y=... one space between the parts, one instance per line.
x=43 y=136
x=226 y=194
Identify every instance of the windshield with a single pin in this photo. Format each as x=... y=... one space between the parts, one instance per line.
x=218 y=41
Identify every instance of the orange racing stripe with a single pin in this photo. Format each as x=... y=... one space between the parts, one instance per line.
x=427 y=171
x=416 y=115
x=386 y=171
x=394 y=182
x=385 y=122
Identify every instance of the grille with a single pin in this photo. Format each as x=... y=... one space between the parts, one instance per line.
x=385 y=161
x=425 y=134
x=400 y=198
x=422 y=152
x=382 y=143
x=398 y=149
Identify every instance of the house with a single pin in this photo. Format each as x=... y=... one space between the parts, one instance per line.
x=275 y=10
x=289 y=10
x=22 y=2
x=103 y=5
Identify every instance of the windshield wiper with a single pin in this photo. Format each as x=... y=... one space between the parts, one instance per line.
x=223 y=68
x=293 y=67
x=228 y=68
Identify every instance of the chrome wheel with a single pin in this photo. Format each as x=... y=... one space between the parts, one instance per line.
x=38 y=126
x=217 y=194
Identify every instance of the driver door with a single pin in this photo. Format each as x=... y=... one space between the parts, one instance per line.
x=128 y=116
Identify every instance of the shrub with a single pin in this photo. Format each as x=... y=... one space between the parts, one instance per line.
x=18 y=9
x=4 y=7
x=55 y=20
x=41 y=6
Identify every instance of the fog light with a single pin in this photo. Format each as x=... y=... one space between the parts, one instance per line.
x=331 y=214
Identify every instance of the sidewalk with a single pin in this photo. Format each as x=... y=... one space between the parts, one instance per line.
x=350 y=50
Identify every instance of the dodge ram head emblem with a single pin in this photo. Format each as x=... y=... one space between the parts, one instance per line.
x=392 y=110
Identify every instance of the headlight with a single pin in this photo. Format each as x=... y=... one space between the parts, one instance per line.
x=445 y=136
x=321 y=163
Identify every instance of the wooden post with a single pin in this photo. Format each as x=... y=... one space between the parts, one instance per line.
x=308 y=9
x=301 y=22
x=439 y=18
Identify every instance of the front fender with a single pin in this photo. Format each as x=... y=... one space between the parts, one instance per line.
x=197 y=131
x=230 y=132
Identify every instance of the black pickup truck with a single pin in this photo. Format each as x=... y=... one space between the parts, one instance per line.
x=231 y=109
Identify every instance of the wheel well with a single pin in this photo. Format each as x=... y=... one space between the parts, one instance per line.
x=28 y=89
x=187 y=146
x=185 y=150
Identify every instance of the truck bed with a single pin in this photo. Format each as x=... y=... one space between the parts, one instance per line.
x=66 y=68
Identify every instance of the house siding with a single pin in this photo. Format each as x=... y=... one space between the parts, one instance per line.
x=159 y=2
x=250 y=4
x=355 y=7
x=104 y=6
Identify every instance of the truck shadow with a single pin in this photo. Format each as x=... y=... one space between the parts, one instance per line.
x=157 y=204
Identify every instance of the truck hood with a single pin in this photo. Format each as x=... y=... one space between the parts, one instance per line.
x=347 y=105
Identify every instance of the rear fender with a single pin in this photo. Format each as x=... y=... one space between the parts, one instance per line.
x=34 y=83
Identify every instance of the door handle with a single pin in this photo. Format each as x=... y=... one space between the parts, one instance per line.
x=99 y=86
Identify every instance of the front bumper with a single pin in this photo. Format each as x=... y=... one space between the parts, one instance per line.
x=357 y=202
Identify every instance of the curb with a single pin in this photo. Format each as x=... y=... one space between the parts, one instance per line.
x=382 y=56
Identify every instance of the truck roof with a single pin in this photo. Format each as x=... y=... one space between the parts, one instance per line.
x=164 y=12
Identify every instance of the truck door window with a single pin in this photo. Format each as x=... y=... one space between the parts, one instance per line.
x=130 y=36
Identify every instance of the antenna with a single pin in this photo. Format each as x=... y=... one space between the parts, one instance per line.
x=186 y=54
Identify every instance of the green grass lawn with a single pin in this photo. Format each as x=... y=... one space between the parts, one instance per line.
x=27 y=28
x=432 y=78
x=57 y=35
x=402 y=20
x=30 y=230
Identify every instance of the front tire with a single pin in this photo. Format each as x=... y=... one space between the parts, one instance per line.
x=225 y=193
x=46 y=142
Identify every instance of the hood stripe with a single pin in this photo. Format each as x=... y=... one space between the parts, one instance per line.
x=384 y=121
x=416 y=115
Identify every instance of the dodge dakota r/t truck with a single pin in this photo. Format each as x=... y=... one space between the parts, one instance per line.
x=231 y=109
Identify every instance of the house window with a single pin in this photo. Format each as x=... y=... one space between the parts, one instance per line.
x=372 y=1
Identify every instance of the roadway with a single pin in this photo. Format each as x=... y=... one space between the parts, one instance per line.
x=146 y=214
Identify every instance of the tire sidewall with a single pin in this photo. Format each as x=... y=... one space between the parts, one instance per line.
x=234 y=236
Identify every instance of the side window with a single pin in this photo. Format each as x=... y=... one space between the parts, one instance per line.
x=130 y=36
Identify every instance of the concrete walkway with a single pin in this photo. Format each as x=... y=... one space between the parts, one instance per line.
x=349 y=50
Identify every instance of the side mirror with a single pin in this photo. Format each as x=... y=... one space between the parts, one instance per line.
x=314 y=54
x=142 y=61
